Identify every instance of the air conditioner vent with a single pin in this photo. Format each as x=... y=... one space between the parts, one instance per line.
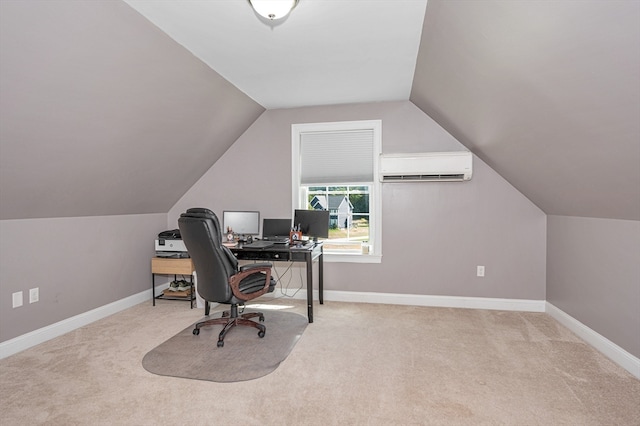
x=422 y=178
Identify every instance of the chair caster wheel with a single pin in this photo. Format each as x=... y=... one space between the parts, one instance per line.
x=196 y=331
x=261 y=334
x=261 y=318
x=220 y=343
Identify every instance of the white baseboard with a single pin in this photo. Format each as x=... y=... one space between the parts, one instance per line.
x=437 y=301
x=522 y=305
x=41 y=335
x=618 y=355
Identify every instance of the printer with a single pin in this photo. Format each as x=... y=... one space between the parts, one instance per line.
x=170 y=244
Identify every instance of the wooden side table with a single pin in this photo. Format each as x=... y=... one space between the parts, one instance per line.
x=175 y=267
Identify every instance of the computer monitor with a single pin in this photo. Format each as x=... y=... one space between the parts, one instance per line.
x=276 y=227
x=241 y=223
x=313 y=223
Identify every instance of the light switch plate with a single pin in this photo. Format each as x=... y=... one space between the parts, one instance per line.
x=17 y=299
x=34 y=295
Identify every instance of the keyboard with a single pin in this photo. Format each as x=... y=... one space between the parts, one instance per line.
x=276 y=240
x=258 y=244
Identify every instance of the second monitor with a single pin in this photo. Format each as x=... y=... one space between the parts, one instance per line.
x=313 y=223
x=241 y=223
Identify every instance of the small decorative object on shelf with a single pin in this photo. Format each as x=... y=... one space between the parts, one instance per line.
x=295 y=236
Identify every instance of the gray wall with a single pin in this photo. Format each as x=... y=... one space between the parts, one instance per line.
x=434 y=234
x=593 y=274
x=78 y=263
x=102 y=113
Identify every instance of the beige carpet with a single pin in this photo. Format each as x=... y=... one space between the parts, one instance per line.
x=357 y=364
x=245 y=356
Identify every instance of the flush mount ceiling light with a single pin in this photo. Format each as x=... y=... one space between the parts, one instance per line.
x=273 y=9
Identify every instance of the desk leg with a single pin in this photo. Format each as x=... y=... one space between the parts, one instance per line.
x=192 y=296
x=310 y=287
x=153 y=288
x=320 y=281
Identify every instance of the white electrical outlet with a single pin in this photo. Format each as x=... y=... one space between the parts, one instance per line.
x=34 y=295
x=17 y=299
x=480 y=271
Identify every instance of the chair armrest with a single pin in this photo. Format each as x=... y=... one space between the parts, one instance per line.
x=255 y=265
x=234 y=282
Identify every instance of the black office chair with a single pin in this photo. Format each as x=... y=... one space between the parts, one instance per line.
x=219 y=278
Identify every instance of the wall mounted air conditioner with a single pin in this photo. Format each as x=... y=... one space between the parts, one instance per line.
x=425 y=167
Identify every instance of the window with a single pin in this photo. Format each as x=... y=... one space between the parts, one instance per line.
x=335 y=169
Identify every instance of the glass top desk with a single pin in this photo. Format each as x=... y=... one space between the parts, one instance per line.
x=285 y=253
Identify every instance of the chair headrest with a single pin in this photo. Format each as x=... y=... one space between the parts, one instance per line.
x=203 y=213
x=199 y=211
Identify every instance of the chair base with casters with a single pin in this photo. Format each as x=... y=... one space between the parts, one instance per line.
x=231 y=319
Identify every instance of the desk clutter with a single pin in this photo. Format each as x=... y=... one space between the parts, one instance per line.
x=242 y=228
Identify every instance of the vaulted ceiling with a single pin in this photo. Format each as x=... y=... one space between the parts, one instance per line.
x=323 y=53
x=94 y=95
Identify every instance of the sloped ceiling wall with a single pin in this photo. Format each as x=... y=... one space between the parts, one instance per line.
x=547 y=93
x=101 y=113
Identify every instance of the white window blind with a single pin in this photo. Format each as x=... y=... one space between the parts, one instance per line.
x=336 y=157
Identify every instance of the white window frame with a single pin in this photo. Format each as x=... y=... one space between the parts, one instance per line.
x=375 y=196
